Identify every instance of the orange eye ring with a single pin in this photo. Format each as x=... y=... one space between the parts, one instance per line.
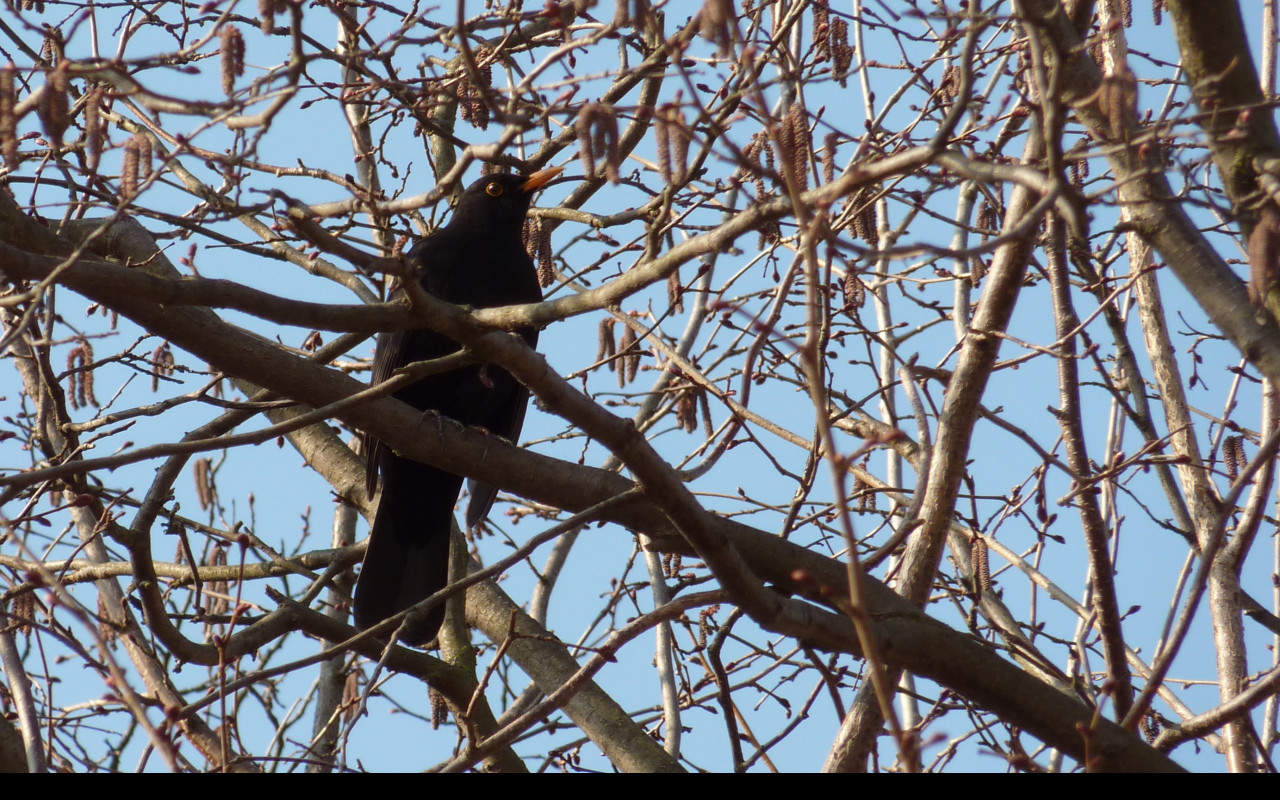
x=493 y=189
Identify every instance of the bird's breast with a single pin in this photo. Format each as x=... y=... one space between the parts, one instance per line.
x=470 y=274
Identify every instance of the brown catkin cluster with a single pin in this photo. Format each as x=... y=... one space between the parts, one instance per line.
x=8 y=116
x=1079 y=172
x=706 y=624
x=714 y=21
x=129 y=169
x=52 y=45
x=950 y=86
x=854 y=292
x=675 y=292
x=988 y=217
x=861 y=209
x=770 y=231
x=977 y=270
x=759 y=146
x=23 y=611
x=1150 y=726
x=606 y=346
x=981 y=558
x=537 y=243
x=93 y=133
x=865 y=494
x=203 y=473
x=687 y=402
x=793 y=141
x=55 y=106
x=628 y=356
x=432 y=94
x=597 y=129
x=137 y=164
x=439 y=710
x=1096 y=49
x=79 y=367
x=829 y=144
x=471 y=105
x=232 y=58
x=351 y=702
x=1118 y=100
x=672 y=137
x=1233 y=457
x=821 y=30
x=216 y=602
x=267 y=9
x=841 y=51
x=162 y=363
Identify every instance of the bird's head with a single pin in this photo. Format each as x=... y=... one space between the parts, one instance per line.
x=500 y=202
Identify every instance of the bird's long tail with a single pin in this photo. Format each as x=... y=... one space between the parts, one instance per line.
x=408 y=556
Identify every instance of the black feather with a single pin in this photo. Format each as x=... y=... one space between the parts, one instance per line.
x=476 y=260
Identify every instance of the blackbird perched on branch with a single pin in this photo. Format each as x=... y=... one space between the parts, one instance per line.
x=477 y=260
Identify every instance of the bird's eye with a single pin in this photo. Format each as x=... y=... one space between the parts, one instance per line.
x=493 y=189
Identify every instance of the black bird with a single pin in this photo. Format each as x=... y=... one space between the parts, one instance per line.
x=477 y=260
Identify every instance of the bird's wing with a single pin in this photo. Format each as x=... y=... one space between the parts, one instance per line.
x=390 y=345
x=388 y=357
x=483 y=494
x=507 y=424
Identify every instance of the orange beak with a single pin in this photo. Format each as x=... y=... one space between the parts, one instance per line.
x=539 y=179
